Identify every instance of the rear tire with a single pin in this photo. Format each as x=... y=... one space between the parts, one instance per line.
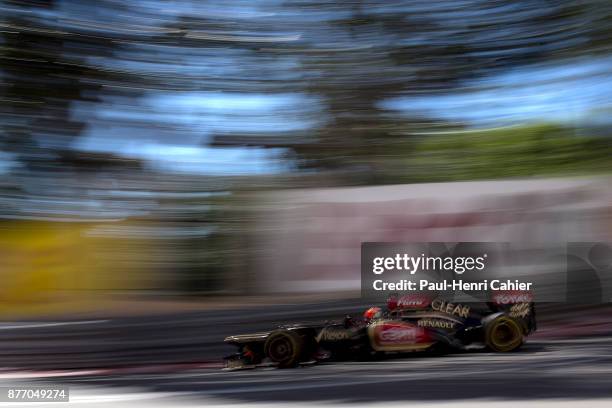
x=284 y=348
x=503 y=334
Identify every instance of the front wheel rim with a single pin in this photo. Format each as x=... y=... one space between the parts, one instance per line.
x=280 y=350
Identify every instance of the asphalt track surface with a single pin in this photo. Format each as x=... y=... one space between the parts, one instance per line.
x=572 y=369
x=175 y=357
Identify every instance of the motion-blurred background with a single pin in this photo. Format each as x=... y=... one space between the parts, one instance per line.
x=152 y=148
x=217 y=152
x=192 y=163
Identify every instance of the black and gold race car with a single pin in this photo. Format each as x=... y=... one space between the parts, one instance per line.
x=407 y=324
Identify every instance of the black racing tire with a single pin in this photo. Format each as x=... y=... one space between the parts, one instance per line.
x=503 y=334
x=284 y=348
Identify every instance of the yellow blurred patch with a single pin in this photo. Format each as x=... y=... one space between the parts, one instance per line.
x=60 y=266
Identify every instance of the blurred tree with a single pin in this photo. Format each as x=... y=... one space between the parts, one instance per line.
x=353 y=55
x=39 y=86
x=520 y=151
x=346 y=57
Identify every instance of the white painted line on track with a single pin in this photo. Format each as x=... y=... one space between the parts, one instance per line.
x=17 y=375
x=31 y=325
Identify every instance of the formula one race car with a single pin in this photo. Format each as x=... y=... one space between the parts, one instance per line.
x=409 y=323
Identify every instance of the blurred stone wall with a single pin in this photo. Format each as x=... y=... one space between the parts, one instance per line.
x=309 y=240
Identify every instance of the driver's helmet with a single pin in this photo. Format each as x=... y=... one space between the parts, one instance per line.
x=372 y=313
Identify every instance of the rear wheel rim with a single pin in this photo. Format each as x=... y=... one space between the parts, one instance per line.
x=505 y=335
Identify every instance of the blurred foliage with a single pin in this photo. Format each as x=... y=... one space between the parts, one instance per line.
x=346 y=56
x=145 y=82
x=521 y=151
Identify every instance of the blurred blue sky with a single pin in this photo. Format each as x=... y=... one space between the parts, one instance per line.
x=568 y=92
x=220 y=90
x=171 y=130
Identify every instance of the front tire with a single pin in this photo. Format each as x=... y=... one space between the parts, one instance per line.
x=284 y=348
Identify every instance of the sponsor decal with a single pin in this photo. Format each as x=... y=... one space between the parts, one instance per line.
x=333 y=334
x=450 y=308
x=506 y=297
x=436 y=315
x=436 y=324
x=393 y=334
x=520 y=310
x=413 y=302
